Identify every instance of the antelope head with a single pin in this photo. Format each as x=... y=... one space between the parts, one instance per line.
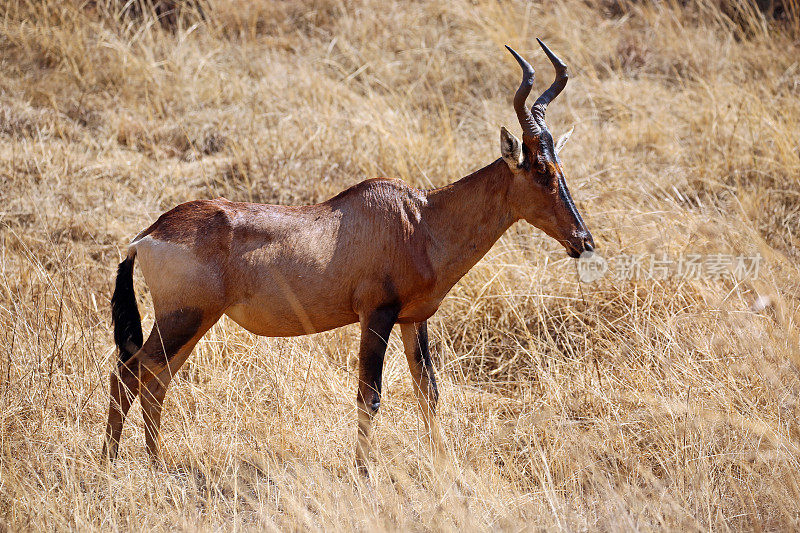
x=539 y=192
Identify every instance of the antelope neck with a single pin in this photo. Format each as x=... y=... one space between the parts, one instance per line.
x=467 y=217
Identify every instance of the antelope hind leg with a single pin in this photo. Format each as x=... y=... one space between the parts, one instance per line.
x=153 y=395
x=172 y=333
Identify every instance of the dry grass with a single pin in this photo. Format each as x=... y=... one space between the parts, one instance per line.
x=618 y=405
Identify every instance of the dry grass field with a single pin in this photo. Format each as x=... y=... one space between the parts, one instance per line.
x=624 y=404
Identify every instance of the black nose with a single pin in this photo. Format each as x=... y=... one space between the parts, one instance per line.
x=588 y=242
x=584 y=243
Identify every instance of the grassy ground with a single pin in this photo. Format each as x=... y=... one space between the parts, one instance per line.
x=622 y=404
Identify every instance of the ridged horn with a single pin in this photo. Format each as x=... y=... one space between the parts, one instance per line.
x=555 y=89
x=526 y=120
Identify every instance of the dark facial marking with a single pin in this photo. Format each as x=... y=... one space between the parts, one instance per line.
x=566 y=197
x=546 y=147
x=540 y=153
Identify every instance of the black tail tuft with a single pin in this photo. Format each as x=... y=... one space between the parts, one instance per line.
x=125 y=313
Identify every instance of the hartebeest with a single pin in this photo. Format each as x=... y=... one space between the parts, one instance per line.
x=380 y=253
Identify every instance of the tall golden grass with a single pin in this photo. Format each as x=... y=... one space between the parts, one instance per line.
x=623 y=404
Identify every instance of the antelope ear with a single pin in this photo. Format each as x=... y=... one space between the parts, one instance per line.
x=563 y=140
x=511 y=148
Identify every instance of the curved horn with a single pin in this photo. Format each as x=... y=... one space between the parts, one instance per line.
x=558 y=85
x=526 y=120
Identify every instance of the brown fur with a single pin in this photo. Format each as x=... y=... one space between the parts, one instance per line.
x=380 y=252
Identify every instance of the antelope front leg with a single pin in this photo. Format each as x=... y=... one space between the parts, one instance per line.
x=375 y=329
x=415 y=344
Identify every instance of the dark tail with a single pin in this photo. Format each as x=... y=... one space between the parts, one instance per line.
x=125 y=313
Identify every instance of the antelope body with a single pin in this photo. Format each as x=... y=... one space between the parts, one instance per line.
x=380 y=253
